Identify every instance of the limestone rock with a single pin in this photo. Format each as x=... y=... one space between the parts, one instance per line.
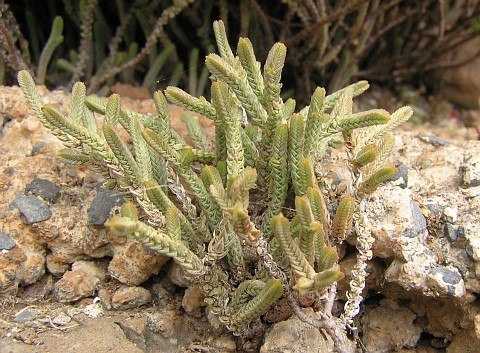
x=70 y=239
x=224 y=343
x=134 y=327
x=94 y=310
x=398 y=217
x=133 y=264
x=80 y=282
x=23 y=263
x=399 y=228
x=177 y=275
x=439 y=317
x=446 y=280
x=436 y=195
x=295 y=336
x=390 y=327
x=192 y=299
x=56 y=268
x=471 y=165
x=130 y=297
x=161 y=323
x=464 y=342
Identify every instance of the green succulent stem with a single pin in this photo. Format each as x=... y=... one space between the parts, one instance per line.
x=157 y=241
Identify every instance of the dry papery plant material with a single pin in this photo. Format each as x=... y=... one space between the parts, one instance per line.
x=258 y=227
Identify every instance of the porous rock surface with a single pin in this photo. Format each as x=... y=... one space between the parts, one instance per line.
x=426 y=258
x=399 y=331
x=295 y=336
x=82 y=281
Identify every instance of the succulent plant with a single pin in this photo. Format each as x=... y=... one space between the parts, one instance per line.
x=257 y=226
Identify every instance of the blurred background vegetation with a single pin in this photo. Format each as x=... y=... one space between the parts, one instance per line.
x=155 y=43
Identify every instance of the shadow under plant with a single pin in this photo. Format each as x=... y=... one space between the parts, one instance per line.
x=259 y=226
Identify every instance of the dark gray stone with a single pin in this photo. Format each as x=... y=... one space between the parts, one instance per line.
x=419 y=223
x=24 y=316
x=448 y=276
x=435 y=208
x=102 y=205
x=469 y=249
x=449 y=280
x=31 y=207
x=433 y=140
x=37 y=148
x=6 y=243
x=401 y=176
x=461 y=232
x=470 y=168
x=44 y=189
x=450 y=233
x=9 y=171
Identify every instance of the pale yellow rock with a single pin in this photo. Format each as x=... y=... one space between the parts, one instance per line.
x=476 y=323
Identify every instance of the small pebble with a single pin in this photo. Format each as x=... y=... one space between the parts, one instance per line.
x=37 y=148
x=31 y=207
x=192 y=299
x=451 y=214
x=446 y=281
x=225 y=343
x=6 y=243
x=102 y=205
x=94 y=310
x=24 y=316
x=433 y=140
x=435 y=208
x=31 y=124
x=161 y=323
x=401 y=177
x=176 y=274
x=450 y=233
x=426 y=163
x=470 y=167
x=130 y=297
x=44 y=189
x=61 y=320
x=9 y=171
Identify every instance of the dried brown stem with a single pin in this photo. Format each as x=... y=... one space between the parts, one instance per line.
x=167 y=15
x=339 y=13
x=85 y=42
